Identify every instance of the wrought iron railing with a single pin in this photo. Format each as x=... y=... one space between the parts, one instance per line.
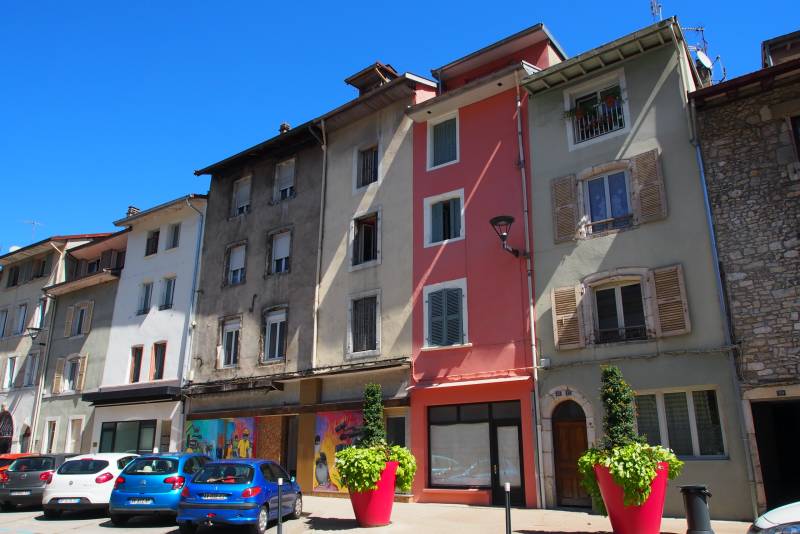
x=597 y=120
x=611 y=335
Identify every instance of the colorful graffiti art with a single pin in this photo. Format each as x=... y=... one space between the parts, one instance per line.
x=335 y=431
x=221 y=438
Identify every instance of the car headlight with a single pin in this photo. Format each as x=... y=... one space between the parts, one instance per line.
x=788 y=528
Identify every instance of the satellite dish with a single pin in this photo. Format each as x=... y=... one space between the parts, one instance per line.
x=704 y=59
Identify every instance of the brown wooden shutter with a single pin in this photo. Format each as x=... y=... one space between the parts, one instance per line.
x=68 y=322
x=673 y=309
x=87 y=318
x=58 y=377
x=565 y=208
x=567 y=323
x=649 y=195
x=82 y=373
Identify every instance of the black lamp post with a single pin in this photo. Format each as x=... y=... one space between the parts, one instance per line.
x=502 y=227
x=33 y=333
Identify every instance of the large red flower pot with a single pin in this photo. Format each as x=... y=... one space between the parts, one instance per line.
x=642 y=519
x=373 y=508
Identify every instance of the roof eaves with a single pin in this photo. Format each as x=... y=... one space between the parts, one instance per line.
x=127 y=221
x=56 y=239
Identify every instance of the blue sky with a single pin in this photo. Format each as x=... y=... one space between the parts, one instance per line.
x=110 y=103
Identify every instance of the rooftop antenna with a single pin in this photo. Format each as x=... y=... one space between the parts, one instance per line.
x=703 y=62
x=655 y=10
x=33 y=224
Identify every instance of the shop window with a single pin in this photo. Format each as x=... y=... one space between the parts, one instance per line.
x=128 y=436
x=396 y=430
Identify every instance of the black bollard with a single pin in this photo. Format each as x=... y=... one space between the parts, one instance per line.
x=280 y=506
x=508 y=508
x=695 y=501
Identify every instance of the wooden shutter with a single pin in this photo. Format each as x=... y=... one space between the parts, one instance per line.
x=455 y=217
x=68 y=322
x=436 y=318
x=106 y=259
x=58 y=377
x=87 y=318
x=673 y=309
x=649 y=195
x=567 y=322
x=454 y=331
x=82 y=373
x=565 y=208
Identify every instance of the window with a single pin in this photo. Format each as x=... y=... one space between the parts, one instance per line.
x=168 y=293
x=275 y=335
x=230 y=342
x=364 y=338
x=42 y=266
x=13 y=276
x=365 y=239
x=444 y=217
x=367 y=167
x=94 y=266
x=31 y=369
x=241 y=197
x=281 y=245
x=19 y=324
x=236 y=265
x=619 y=313
x=151 y=246
x=3 y=321
x=145 y=295
x=607 y=202
x=79 y=319
x=74 y=433
x=159 y=359
x=597 y=113
x=128 y=436
x=688 y=422
x=71 y=372
x=442 y=141
x=174 y=235
x=445 y=317
x=284 y=180
x=396 y=430
x=41 y=310
x=50 y=438
x=136 y=364
x=11 y=367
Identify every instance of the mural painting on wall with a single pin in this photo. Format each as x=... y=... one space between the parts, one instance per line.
x=221 y=438
x=335 y=431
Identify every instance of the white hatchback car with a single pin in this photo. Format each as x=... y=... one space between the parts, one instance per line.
x=782 y=520
x=83 y=482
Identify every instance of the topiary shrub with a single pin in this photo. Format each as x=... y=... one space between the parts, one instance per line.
x=630 y=460
x=360 y=466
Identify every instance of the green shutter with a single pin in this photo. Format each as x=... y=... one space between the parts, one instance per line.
x=437 y=216
x=455 y=218
x=454 y=334
x=444 y=142
x=436 y=333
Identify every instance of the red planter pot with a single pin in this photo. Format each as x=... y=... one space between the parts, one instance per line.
x=373 y=508
x=643 y=519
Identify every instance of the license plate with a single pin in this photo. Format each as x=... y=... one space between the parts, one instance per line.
x=69 y=501
x=141 y=501
x=214 y=497
x=19 y=493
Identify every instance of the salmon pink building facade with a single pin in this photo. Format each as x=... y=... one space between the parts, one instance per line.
x=472 y=376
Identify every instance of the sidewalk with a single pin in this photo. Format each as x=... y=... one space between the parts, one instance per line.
x=331 y=514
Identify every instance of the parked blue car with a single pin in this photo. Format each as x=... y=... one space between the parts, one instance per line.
x=152 y=485
x=238 y=492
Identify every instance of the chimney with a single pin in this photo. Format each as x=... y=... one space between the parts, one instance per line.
x=132 y=210
x=284 y=127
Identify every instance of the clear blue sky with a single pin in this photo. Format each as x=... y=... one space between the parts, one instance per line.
x=109 y=103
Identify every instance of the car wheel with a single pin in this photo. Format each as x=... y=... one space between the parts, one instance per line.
x=297 y=509
x=260 y=526
x=187 y=528
x=52 y=514
x=119 y=519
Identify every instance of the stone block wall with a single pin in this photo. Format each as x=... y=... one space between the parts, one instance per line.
x=753 y=176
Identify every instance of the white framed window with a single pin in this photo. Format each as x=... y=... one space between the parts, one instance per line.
x=70 y=379
x=364 y=324
x=174 y=238
x=79 y=319
x=50 y=435
x=41 y=310
x=236 y=265
x=19 y=322
x=443 y=141
x=3 y=321
x=167 y=293
x=365 y=240
x=240 y=201
x=274 y=336
x=445 y=318
x=74 y=434
x=229 y=350
x=444 y=218
x=135 y=371
x=596 y=110
x=284 y=180
x=151 y=245
x=686 y=421
x=619 y=312
x=31 y=369
x=280 y=251
x=11 y=368
x=607 y=202
x=145 y=298
x=366 y=166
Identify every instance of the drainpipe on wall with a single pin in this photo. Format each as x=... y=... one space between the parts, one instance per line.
x=188 y=331
x=320 y=235
x=529 y=269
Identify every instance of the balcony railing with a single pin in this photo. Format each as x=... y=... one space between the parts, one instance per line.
x=597 y=120
x=612 y=335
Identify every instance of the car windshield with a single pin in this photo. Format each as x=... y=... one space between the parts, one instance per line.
x=152 y=466
x=87 y=466
x=224 y=474
x=42 y=463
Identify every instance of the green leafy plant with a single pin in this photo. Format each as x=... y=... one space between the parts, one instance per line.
x=631 y=461
x=360 y=466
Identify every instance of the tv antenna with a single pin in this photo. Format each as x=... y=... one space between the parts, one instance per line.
x=655 y=10
x=703 y=62
x=33 y=224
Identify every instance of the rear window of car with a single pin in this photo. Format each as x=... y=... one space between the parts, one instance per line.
x=5 y=461
x=32 y=464
x=152 y=466
x=224 y=474
x=82 y=467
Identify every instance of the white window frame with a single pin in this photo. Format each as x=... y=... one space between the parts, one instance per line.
x=616 y=286
x=143 y=308
x=276 y=315
x=224 y=329
x=78 y=328
x=241 y=209
x=148 y=235
x=433 y=122
x=229 y=271
x=41 y=310
x=272 y=237
x=70 y=362
x=82 y=419
x=378 y=212
x=459 y=283
x=357 y=296
x=586 y=214
x=130 y=365
x=597 y=83
x=164 y=285
x=276 y=193
x=48 y=447
x=31 y=369
x=173 y=229
x=662 y=419
x=356 y=166
x=10 y=371
x=19 y=325
x=428 y=203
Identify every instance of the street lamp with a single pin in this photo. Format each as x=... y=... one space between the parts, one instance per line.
x=33 y=333
x=502 y=227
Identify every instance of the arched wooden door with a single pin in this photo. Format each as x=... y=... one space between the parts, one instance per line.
x=569 y=442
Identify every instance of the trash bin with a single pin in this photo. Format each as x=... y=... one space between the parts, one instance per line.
x=695 y=501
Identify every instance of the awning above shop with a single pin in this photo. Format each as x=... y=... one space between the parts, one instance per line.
x=463 y=383
x=132 y=395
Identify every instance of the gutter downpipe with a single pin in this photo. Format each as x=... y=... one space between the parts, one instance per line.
x=540 y=501
x=43 y=371
x=320 y=235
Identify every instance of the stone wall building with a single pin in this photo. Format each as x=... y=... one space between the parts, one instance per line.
x=749 y=134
